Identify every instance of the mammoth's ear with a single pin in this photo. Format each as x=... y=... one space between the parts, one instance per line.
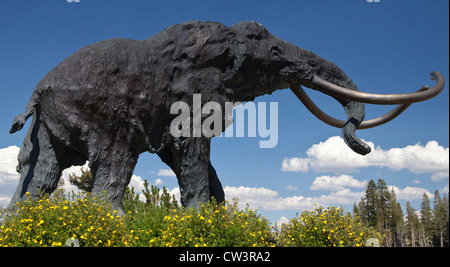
x=251 y=30
x=238 y=54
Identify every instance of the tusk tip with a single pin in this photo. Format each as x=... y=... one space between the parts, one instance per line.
x=435 y=75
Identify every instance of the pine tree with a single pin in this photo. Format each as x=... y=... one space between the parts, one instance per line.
x=395 y=223
x=447 y=212
x=383 y=204
x=60 y=186
x=380 y=210
x=440 y=219
x=413 y=224
x=426 y=220
x=84 y=181
x=369 y=204
x=357 y=212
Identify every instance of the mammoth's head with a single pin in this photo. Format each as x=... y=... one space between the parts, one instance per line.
x=264 y=63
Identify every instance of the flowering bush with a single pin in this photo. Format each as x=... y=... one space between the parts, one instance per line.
x=159 y=221
x=329 y=227
x=210 y=225
x=51 y=221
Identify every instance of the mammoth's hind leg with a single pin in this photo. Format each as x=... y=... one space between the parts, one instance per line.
x=42 y=159
x=111 y=172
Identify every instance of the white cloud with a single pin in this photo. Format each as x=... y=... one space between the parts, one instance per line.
x=420 y=159
x=159 y=182
x=333 y=155
x=8 y=163
x=439 y=176
x=291 y=187
x=68 y=187
x=255 y=197
x=166 y=172
x=290 y=203
x=176 y=192
x=295 y=164
x=136 y=182
x=9 y=177
x=444 y=189
x=340 y=195
x=410 y=193
x=268 y=199
x=336 y=183
x=4 y=201
x=281 y=221
x=250 y=192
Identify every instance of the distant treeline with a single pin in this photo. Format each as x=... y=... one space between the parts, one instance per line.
x=427 y=228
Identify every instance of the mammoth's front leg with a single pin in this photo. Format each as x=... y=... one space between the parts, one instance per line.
x=189 y=159
x=215 y=186
x=191 y=165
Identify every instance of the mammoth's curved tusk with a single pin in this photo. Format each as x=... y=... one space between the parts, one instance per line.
x=316 y=111
x=392 y=99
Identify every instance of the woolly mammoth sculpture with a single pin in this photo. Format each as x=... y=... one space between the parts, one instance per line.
x=110 y=101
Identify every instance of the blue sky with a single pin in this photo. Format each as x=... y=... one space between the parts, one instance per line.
x=385 y=47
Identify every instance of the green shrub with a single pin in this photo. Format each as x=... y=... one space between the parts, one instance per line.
x=211 y=225
x=330 y=227
x=159 y=221
x=51 y=221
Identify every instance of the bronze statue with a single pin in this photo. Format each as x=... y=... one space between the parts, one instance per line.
x=110 y=101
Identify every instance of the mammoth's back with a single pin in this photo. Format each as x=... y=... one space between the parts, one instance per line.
x=110 y=88
x=119 y=86
x=98 y=65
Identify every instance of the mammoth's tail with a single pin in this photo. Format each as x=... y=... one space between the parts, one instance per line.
x=20 y=120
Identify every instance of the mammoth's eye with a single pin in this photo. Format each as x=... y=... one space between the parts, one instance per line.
x=275 y=51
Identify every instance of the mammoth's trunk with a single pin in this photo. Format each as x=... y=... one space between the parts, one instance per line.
x=355 y=115
x=355 y=110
